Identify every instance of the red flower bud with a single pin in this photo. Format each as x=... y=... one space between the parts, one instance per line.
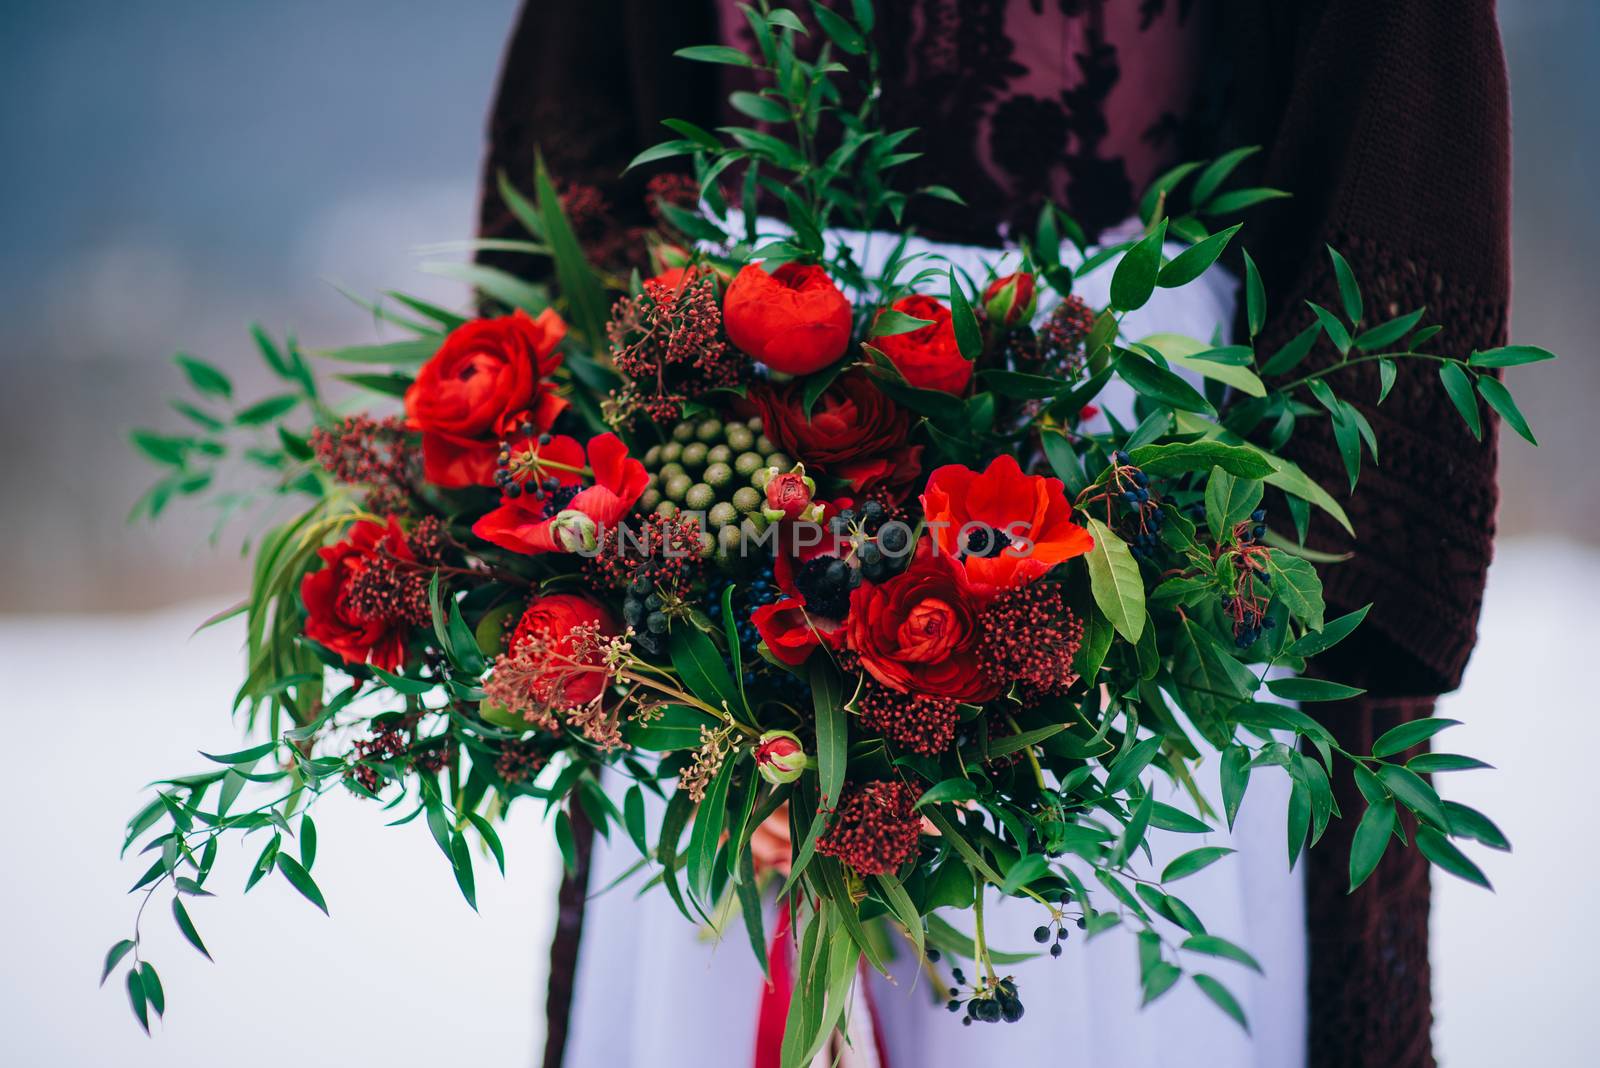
x=780 y=757
x=788 y=494
x=1011 y=299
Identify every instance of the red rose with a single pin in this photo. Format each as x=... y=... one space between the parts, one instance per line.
x=789 y=632
x=794 y=320
x=488 y=374
x=567 y=519
x=552 y=619
x=928 y=357
x=1007 y=528
x=855 y=433
x=1011 y=299
x=918 y=632
x=360 y=604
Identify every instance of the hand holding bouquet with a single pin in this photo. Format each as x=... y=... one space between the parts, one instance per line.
x=781 y=530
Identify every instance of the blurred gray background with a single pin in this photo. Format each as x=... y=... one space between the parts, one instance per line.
x=177 y=168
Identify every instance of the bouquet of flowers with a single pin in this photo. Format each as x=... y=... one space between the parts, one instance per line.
x=777 y=532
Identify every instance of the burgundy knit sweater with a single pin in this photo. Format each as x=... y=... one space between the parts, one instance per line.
x=1388 y=121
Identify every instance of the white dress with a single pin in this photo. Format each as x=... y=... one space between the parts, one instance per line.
x=654 y=990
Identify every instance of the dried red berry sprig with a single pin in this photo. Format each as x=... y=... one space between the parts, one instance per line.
x=919 y=722
x=875 y=827
x=379 y=454
x=1029 y=637
x=669 y=344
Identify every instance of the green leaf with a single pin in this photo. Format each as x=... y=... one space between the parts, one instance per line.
x=1509 y=356
x=1349 y=291
x=1293 y=351
x=1399 y=739
x=1431 y=763
x=1370 y=841
x=832 y=730
x=492 y=839
x=950 y=790
x=750 y=907
x=1385 y=334
x=152 y=988
x=1135 y=277
x=633 y=818
x=1387 y=372
x=1176 y=458
x=1193 y=261
x=1332 y=327
x=394 y=353
x=308 y=841
x=115 y=954
x=670 y=149
x=1444 y=854
x=136 y=998
x=1334 y=632
x=1239 y=199
x=905 y=910
x=1229 y=501
x=1229 y=365
x=1410 y=790
x=266 y=411
x=1222 y=998
x=586 y=301
x=839 y=30
x=1301 y=689
x=1159 y=190
x=1215 y=946
x=1020 y=386
x=1115 y=581
x=1160 y=384
x=969 y=339
x=1193 y=861
x=714 y=54
x=186 y=925
x=1255 y=296
x=700 y=665
x=243 y=756
x=891 y=322
x=1235 y=772
x=1128 y=767
x=1468 y=822
x=1499 y=398
x=461 y=861
x=1218 y=170
x=301 y=880
x=1459 y=386
x=204 y=377
x=1298 y=587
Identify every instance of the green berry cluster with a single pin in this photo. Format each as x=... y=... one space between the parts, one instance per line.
x=718 y=470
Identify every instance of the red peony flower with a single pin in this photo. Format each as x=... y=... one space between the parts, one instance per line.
x=794 y=320
x=488 y=375
x=1010 y=300
x=360 y=604
x=919 y=631
x=548 y=625
x=790 y=633
x=1006 y=527
x=570 y=518
x=875 y=827
x=928 y=357
x=854 y=433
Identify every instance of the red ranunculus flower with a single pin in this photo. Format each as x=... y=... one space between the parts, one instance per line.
x=788 y=494
x=488 y=374
x=919 y=631
x=571 y=518
x=794 y=320
x=928 y=357
x=855 y=433
x=552 y=618
x=1007 y=528
x=360 y=604
x=790 y=633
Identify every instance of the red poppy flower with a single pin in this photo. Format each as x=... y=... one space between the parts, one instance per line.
x=360 y=604
x=570 y=518
x=919 y=631
x=790 y=633
x=489 y=375
x=794 y=320
x=1006 y=527
x=928 y=356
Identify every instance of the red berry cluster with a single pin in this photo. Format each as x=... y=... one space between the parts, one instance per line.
x=388 y=589
x=875 y=827
x=377 y=453
x=920 y=722
x=385 y=744
x=1029 y=638
x=680 y=190
x=669 y=344
x=661 y=553
x=1060 y=344
x=519 y=761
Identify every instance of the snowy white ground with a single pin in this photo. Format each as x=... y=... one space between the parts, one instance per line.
x=406 y=974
